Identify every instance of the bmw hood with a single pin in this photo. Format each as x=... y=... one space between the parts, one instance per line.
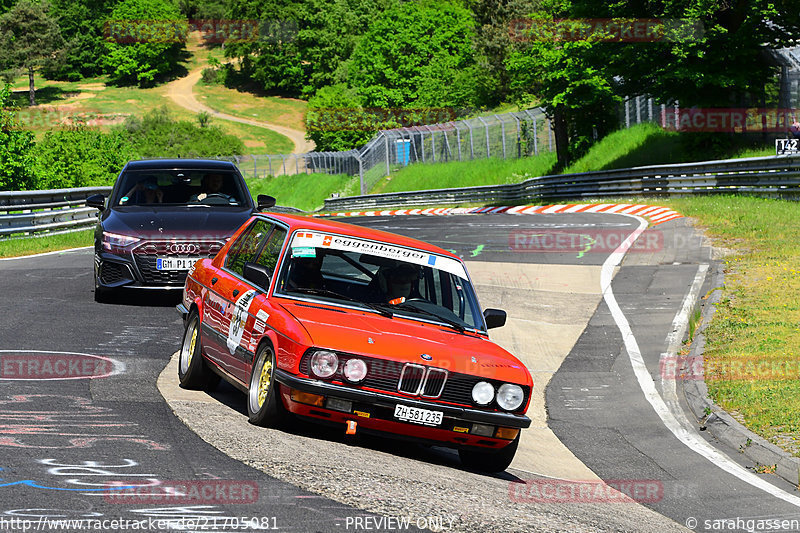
x=406 y=340
x=197 y=222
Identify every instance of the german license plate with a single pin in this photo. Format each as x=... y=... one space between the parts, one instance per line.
x=417 y=415
x=175 y=263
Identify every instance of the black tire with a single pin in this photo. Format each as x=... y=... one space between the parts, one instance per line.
x=264 y=406
x=193 y=372
x=103 y=295
x=489 y=461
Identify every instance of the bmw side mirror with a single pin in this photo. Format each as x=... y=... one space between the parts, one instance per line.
x=265 y=202
x=256 y=274
x=97 y=201
x=495 y=318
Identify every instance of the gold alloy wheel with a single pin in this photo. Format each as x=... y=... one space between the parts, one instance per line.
x=263 y=382
x=191 y=346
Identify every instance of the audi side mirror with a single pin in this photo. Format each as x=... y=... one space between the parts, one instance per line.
x=495 y=318
x=265 y=202
x=256 y=274
x=97 y=201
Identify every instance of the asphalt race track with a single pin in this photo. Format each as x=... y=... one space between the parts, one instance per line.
x=67 y=445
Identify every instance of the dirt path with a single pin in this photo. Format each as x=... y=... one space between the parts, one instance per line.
x=180 y=91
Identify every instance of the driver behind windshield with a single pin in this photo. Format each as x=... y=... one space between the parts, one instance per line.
x=212 y=187
x=398 y=283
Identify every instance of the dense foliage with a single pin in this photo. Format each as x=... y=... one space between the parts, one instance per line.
x=145 y=41
x=15 y=149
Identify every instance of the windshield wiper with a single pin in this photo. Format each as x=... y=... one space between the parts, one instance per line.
x=449 y=321
x=333 y=294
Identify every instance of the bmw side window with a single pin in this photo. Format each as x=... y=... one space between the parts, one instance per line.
x=246 y=248
x=272 y=249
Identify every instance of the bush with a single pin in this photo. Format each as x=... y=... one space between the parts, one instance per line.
x=80 y=157
x=15 y=149
x=158 y=135
x=140 y=49
x=337 y=121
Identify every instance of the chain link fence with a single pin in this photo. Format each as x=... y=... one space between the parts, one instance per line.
x=506 y=136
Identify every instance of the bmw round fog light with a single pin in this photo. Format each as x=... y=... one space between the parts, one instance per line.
x=355 y=370
x=483 y=393
x=509 y=396
x=324 y=363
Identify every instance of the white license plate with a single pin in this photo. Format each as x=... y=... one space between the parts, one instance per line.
x=175 y=263
x=417 y=415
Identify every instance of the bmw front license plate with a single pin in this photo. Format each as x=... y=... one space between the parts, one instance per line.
x=175 y=263
x=417 y=415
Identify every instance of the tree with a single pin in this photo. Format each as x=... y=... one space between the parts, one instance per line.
x=571 y=78
x=83 y=25
x=417 y=53
x=145 y=41
x=15 y=148
x=712 y=53
x=29 y=39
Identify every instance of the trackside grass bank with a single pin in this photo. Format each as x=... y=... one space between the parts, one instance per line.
x=752 y=353
x=47 y=243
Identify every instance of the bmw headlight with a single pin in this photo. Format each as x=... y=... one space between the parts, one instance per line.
x=483 y=393
x=355 y=370
x=324 y=363
x=509 y=397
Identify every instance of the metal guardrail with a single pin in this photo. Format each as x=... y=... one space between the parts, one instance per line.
x=27 y=213
x=773 y=176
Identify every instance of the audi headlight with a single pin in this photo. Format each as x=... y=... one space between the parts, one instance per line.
x=509 y=397
x=355 y=370
x=115 y=240
x=324 y=363
x=483 y=393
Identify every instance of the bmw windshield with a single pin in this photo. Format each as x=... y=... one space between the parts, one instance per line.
x=392 y=280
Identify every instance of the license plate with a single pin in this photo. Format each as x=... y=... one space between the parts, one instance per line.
x=175 y=263
x=417 y=415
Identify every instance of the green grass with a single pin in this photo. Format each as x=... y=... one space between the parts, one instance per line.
x=241 y=103
x=16 y=247
x=753 y=342
x=421 y=176
x=304 y=191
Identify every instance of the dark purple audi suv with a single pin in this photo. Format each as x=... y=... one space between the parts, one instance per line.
x=161 y=217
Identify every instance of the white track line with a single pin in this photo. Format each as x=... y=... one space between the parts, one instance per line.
x=683 y=432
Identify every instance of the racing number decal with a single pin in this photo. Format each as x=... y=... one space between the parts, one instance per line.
x=239 y=319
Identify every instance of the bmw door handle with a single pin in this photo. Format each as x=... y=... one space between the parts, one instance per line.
x=214 y=281
x=235 y=292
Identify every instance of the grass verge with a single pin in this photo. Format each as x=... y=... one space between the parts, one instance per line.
x=46 y=243
x=304 y=191
x=752 y=350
